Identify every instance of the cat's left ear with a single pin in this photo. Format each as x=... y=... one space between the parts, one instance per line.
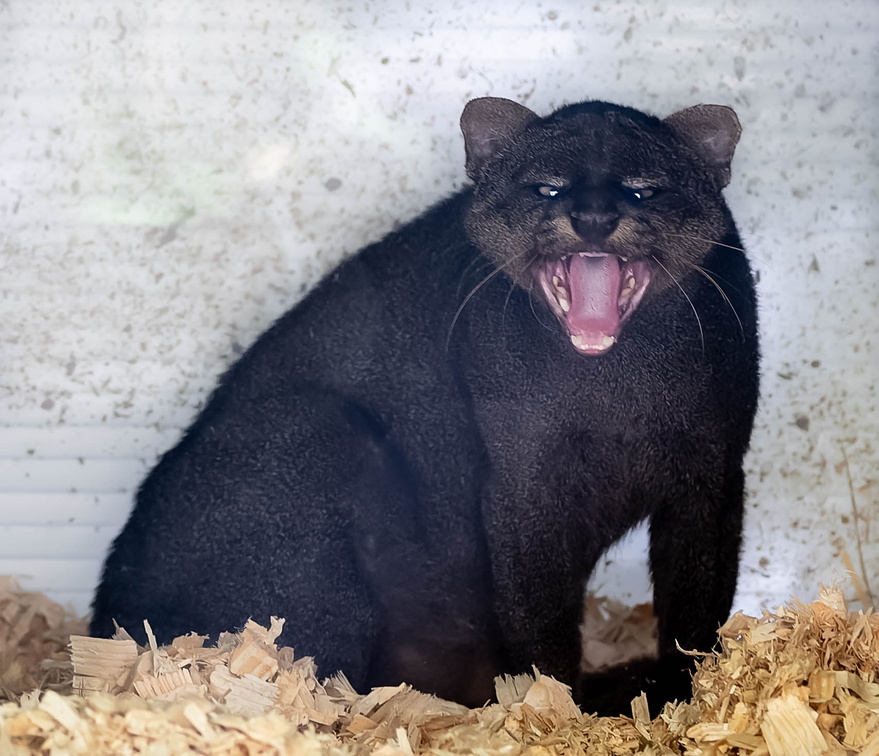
x=488 y=123
x=713 y=131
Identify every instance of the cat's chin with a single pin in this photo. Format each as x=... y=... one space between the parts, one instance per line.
x=592 y=294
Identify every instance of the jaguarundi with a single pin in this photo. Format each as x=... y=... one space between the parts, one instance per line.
x=420 y=464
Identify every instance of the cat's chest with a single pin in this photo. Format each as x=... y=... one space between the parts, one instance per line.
x=556 y=401
x=537 y=394
x=552 y=404
x=535 y=397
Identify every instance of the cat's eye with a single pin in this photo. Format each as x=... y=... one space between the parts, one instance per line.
x=639 y=194
x=548 y=190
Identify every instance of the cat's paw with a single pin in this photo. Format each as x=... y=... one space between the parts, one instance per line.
x=610 y=693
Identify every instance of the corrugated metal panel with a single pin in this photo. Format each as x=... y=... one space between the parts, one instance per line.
x=33 y=508
x=72 y=475
x=164 y=194
x=68 y=541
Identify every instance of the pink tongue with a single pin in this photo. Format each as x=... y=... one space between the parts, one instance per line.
x=594 y=283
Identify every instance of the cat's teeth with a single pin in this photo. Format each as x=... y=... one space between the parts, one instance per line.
x=580 y=342
x=627 y=291
x=561 y=293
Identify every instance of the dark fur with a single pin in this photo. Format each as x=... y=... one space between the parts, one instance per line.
x=422 y=488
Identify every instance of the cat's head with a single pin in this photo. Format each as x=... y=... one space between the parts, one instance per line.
x=596 y=207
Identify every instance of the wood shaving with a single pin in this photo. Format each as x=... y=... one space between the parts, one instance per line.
x=34 y=630
x=614 y=633
x=804 y=680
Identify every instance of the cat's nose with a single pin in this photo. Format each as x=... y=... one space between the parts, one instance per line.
x=593 y=224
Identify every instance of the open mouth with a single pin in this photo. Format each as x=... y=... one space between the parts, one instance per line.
x=592 y=295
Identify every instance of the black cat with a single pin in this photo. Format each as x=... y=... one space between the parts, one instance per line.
x=420 y=464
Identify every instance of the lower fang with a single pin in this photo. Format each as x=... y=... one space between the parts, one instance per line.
x=564 y=304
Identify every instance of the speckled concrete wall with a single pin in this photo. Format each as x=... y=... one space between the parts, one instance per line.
x=174 y=175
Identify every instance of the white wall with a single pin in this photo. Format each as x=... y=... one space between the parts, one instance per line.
x=174 y=175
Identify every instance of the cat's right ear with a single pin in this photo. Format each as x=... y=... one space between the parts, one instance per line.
x=488 y=123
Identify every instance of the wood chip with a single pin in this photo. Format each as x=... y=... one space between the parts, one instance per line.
x=33 y=636
x=101 y=664
x=247 y=695
x=614 y=633
x=804 y=680
x=789 y=728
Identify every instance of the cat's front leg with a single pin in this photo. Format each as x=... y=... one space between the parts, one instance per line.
x=695 y=536
x=538 y=565
x=695 y=539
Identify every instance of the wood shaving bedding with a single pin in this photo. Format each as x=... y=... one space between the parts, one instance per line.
x=802 y=681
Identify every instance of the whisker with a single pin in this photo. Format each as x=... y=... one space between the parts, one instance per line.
x=466 y=300
x=692 y=306
x=507 y=301
x=534 y=312
x=717 y=277
x=531 y=299
x=477 y=288
x=707 y=241
x=723 y=294
x=477 y=259
x=720 y=244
